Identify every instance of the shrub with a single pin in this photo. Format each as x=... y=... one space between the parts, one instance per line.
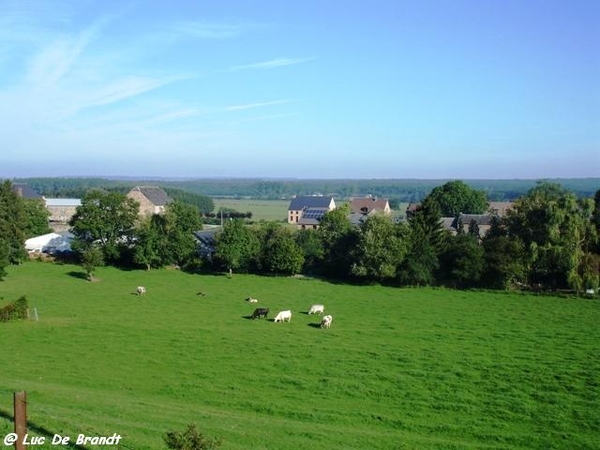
x=14 y=310
x=190 y=439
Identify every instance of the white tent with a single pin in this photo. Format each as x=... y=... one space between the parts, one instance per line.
x=48 y=243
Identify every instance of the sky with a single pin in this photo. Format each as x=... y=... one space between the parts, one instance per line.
x=431 y=89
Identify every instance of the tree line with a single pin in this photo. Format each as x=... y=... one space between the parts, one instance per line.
x=397 y=190
x=549 y=239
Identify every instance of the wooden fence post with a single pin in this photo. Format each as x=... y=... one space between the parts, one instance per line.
x=20 y=404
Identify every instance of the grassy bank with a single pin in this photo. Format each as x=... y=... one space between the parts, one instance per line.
x=399 y=368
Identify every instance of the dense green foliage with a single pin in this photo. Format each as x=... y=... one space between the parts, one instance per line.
x=557 y=234
x=20 y=219
x=548 y=241
x=237 y=247
x=190 y=439
x=37 y=218
x=105 y=220
x=399 y=368
x=455 y=197
x=202 y=203
x=78 y=187
x=13 y=223
x=14 y=310
x=402 y=190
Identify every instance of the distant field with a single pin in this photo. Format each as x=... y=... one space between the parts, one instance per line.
x=399 y=369
x=271 y=210
x=268 y=210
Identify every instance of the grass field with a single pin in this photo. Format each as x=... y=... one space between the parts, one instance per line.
x=399 y=368
x=273 y=210
x=268 y=210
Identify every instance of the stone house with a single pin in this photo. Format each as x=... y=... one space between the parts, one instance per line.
x=365 y=205
x=152 y=200
x=307 y=211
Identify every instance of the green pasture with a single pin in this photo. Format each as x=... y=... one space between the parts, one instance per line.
x=267 y=210
x=399 y=368
x=274 y=210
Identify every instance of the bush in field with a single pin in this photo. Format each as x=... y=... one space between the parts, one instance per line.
x=14 y=310
x=190 y=439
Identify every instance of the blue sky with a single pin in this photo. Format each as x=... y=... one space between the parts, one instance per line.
x=305 y=89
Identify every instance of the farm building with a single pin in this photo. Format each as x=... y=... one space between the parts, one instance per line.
x=152 y=199
x=206 y=242
x=49 y=243
x=62 y=209
x=483 y=222
x=366 y=205
x=307 y=211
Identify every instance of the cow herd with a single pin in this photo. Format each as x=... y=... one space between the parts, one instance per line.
x=282 y=316
x=286 y=315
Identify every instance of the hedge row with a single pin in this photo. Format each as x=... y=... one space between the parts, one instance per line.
x=14 y=310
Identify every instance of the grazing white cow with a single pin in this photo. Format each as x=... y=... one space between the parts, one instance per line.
x=326 y=322
x=141 y=290
x=283 y=315
x=316 y=309
x=252 y=300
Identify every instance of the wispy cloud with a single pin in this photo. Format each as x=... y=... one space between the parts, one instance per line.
x=209 y=30
x=273 y=63
x=57 y=58
x=255 y=105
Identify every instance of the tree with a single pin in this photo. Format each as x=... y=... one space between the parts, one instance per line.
x=427 y=240
x=4 y=262
x=338 y=238
x=455 y=197
x=91 y=258
x=36 y=215
x=462 y=262
x=504 y=261
x=280 y=253
x=181 y=221
x=380 y=249
x=13 y=222
x=554 y=227
x=150 y=243
x=168 y=238
x=106 y=219
x=236 y=247
x=311 y=246
x=595 y=219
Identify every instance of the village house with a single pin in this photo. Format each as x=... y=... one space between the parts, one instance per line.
x=152 y=200
x=366 y=205
x=482 y=222
x=61 y=210
x=307 y=211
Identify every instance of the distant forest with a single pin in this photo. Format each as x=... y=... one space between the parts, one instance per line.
x=401 y=190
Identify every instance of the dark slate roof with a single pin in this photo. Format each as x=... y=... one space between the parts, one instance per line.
x=24 y=191
x=156 y=195
x=207 y=237
x=357 y=218
x=310 y=201
x=312 y=216
x=480 y=219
